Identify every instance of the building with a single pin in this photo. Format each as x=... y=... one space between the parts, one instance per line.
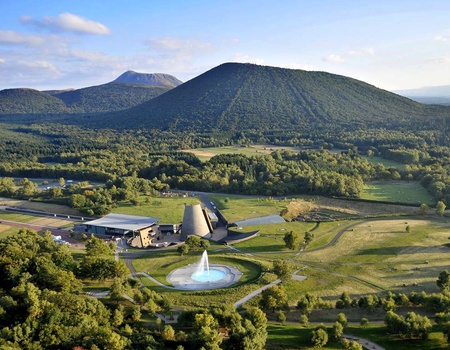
x=195 y=222
x=122 y=225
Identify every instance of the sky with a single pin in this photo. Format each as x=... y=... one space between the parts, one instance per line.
x=59 y=44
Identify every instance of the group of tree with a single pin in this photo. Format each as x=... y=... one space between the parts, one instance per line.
x=222 y=328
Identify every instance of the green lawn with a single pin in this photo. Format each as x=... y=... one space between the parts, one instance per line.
x=397 y=192
x=168 y=209
x=238 y=208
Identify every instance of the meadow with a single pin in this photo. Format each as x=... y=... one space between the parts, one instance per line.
x=397 y=192
x=207 y=153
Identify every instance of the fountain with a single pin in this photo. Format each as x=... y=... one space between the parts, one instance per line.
x=204 y=275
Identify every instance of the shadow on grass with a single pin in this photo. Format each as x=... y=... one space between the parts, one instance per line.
x=383 y=251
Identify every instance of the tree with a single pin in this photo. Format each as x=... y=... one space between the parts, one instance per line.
x=440 y=208
x=338 y=331
x=136 y=313
x=443 y=281
x=250 y=332
x=364 y=322
x=117 y=289
x=183 y=249
x=309 y=236
x=408 y=228
x=274 y=298
x=283 y=269
x=292 y=240
x=204 y=244
x=205 y=332
x=342 y=319
x=351 y=345
x=318 y=337
x=62 y=182
x=193 y=242
x=168 y=333
x=117 y=317
x=281 y=317
x=344 y=301
x=97 y=247
x=304 y=321
x=423 y=210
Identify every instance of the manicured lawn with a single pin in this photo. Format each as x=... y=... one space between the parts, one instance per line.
x=397 y=192
x=168 y=209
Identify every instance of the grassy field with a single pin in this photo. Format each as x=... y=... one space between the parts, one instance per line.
x=386 y=162
x=383 y=253
x=238 y=208
x=397 y=191
x=208 y=152
x=168 y=209
x=291 y=336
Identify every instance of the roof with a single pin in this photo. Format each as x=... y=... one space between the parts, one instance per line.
x=124 y=222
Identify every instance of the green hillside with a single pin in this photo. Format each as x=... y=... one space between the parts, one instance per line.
x=109 y=97
x=236 y=96
x=29 y=101
x=128 y=90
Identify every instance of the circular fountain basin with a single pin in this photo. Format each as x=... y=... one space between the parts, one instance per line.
x=211 y=276
x=188 y=278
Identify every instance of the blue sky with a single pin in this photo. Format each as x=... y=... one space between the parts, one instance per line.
x=392 y=44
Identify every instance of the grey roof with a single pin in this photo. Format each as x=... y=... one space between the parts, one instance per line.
x=124 y=222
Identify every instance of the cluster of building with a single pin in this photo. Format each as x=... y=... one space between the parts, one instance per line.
x=145 y=232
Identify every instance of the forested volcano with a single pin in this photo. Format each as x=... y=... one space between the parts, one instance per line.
x=128 y=90
x=236 y=96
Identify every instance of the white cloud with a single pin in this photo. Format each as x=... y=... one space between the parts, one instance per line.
x=333 y=58
x=442 y=38
x=68 y=22
x=9 y=37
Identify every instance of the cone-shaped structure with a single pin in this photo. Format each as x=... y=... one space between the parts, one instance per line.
x=195 y=222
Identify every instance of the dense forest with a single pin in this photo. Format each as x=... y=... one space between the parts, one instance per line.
x=42 y=307
x=135 y=162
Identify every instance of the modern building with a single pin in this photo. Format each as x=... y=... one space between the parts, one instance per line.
x=195 y=222
x=122 y=225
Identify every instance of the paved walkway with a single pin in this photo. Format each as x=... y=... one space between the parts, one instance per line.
x=367 y=344
x=255 y=293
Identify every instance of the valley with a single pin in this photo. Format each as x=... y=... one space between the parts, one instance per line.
x=358 y=177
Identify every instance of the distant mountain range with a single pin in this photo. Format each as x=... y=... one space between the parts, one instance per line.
x=128 y=90
x=428 y=94
x=230 y=97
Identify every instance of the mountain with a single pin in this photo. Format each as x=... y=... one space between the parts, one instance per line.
x=428 y=95
x=109 y=97
x=129 y=90
x=156 y=79
x=235 y=96
x=29 y=101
